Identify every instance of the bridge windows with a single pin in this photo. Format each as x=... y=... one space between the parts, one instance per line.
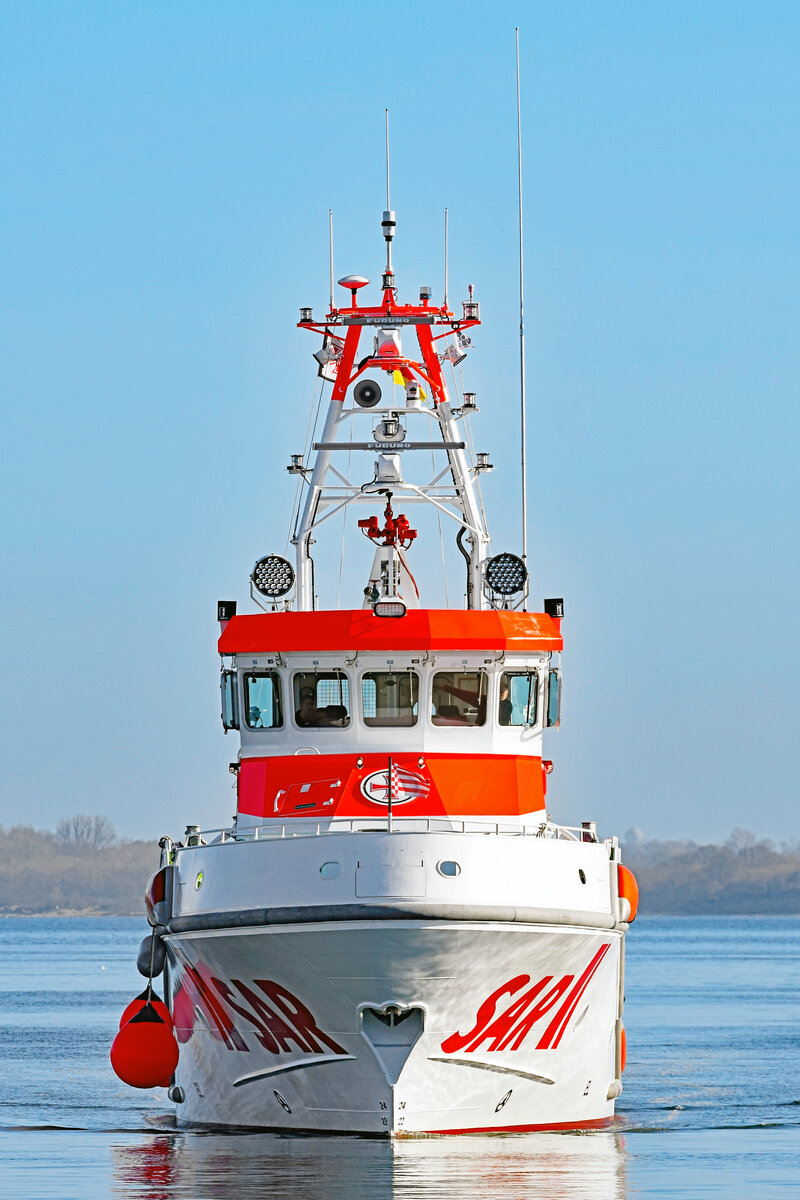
x=230 y=701
x=262 y=700
x=518 y=704
x=390 y=698
x=321 y=699
x=554 y=698
x=459 y=698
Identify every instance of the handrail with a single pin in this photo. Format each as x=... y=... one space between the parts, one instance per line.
x=296 y=828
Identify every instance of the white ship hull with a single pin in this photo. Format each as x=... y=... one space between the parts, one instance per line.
x=399 y=1026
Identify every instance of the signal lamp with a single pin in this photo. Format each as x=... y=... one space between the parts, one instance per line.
x=389 y=608
x=305 y=315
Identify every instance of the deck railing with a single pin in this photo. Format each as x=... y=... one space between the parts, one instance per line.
x=299 y=828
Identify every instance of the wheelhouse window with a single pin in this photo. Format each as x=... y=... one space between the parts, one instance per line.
x=554 y=699
x=321 y=699
x=230 y=700
x=390 y=698
x=262 y=700
x=459 y=698
x=518 y=704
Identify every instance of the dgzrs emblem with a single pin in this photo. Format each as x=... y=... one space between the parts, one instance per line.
x=405 y=786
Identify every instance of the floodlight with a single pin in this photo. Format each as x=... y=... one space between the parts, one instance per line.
x=506 y=574
x=273 y=576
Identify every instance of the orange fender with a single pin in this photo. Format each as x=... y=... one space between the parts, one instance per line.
x=628 y=888
x=623 y=1048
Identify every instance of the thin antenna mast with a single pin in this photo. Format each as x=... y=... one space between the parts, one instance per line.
x=444 y=303
x=388 y=222
x=523 y=429
x=388 y=203
x=330 y=247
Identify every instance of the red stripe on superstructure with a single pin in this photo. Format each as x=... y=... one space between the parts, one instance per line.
x=292 y=785
x=348 y=630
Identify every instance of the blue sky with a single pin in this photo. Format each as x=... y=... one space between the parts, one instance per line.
x=167 y=172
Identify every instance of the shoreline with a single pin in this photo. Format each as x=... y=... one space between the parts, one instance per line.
x=67 y=912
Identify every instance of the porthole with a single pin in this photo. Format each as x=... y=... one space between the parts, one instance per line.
x=330 y=870
x=581 y=875
x=448 y=868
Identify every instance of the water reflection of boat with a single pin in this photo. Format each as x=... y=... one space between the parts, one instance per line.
x=393 y=937
x=258 y=1166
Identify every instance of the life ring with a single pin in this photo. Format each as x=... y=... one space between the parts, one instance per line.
x=628 y=889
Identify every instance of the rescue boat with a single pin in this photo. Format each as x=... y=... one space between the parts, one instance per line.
x=392 y=937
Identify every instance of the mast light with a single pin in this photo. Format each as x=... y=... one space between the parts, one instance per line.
x=306 y=316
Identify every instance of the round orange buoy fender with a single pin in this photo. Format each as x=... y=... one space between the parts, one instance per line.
x=144 y=1052
x=623 y=1049
x=628 y=889
x=137 y=1004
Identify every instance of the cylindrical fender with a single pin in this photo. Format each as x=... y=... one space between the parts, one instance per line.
x=159 y=956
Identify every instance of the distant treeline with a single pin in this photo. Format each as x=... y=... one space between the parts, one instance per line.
x=83 y=867
x=742 y=875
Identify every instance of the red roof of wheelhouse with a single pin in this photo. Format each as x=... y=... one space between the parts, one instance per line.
x=442 y=629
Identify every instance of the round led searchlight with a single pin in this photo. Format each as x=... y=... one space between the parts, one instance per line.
x=506 y=574
x=273 y=576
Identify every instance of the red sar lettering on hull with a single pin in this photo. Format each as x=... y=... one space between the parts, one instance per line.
x=281 y=1023
x=509 y=1030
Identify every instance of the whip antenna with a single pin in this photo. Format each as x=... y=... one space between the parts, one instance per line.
x=523 y=431
x=388 y=202
x=330 y=248
x=388 y=222
x=444 y=304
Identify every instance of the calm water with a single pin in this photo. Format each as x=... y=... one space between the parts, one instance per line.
x=711 y=1106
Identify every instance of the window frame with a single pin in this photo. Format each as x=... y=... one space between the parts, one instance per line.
x=321 y=673
x=445 y=722
x=229 y=679
x=372 y=722
x=529 y=671
x=277 y=699
x=553 y=673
